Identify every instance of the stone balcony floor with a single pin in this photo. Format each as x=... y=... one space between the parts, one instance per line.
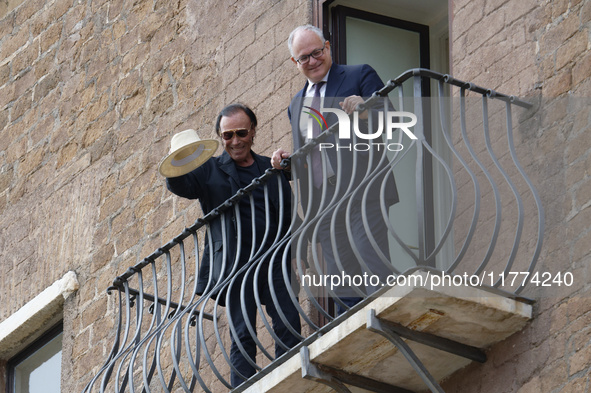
x=467 y=315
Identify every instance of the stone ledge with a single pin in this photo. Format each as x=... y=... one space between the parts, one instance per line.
x=42 y=312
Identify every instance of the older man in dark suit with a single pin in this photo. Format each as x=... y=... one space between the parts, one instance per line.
x=346 y=250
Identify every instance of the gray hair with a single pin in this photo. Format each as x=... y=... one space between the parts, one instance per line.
x=311 y=28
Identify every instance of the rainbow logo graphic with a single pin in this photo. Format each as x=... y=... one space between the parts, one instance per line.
x=317 y=116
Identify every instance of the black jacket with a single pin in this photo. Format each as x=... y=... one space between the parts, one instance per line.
x=213 y=183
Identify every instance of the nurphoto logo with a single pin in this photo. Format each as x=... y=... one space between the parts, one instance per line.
x=393 y=120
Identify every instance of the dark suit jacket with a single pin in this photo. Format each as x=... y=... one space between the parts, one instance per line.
x=343 y=81
x=213 y=183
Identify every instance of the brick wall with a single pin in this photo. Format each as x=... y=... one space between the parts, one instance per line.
x=540 y=50
x=90 y=94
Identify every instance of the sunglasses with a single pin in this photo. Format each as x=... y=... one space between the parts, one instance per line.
x=241 y=133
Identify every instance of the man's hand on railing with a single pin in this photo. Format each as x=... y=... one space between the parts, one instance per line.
x=350 y=103
x=277 y=157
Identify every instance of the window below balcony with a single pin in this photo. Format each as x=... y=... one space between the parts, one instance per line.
x=37 y=369
x=31 y=340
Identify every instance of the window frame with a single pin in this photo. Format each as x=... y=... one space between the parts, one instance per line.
x=13 y=362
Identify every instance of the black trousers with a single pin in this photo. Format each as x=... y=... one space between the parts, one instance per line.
x=244 y=313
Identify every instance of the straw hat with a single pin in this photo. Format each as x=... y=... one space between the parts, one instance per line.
x=187 y=152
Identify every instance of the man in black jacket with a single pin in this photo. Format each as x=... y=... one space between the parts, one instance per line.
x=230 y=251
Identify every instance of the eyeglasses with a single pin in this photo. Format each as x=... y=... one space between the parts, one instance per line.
x=241 y=133
x=304 y=59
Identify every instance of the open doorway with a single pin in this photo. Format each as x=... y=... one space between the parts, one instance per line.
x=394 y=36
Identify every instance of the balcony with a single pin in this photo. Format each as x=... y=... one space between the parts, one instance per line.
x=460 y=252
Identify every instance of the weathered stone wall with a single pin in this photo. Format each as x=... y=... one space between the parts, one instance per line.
x=540 y=50
x=90 y=94
x=91 y=91
x=8 y=5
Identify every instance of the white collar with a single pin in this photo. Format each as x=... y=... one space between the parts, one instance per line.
x=311 y=84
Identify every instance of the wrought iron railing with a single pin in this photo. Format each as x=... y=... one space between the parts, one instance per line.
x=468 y=222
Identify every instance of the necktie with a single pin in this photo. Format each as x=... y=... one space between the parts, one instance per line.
x=316 y=158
